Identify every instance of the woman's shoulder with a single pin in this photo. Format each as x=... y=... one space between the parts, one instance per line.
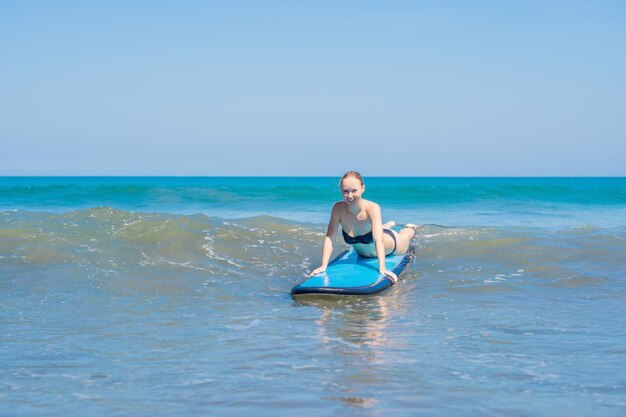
x=371 y=204
x=339 y=207
x=372 y=207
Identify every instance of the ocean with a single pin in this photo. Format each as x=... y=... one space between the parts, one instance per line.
x=170 y=296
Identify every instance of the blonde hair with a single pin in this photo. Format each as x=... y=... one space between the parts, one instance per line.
x=352 y=174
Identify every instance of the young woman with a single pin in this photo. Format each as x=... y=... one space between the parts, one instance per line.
x=362 y=226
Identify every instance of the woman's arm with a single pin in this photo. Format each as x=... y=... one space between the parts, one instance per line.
x=377 y=233
x=331 y=231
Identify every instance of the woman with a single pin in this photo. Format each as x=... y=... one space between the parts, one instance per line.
x=362 y=226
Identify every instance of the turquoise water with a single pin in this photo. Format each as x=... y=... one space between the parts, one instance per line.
x=170 y=296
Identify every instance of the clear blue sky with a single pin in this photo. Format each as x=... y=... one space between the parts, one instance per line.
x=409 y=88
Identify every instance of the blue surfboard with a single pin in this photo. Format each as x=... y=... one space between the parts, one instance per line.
x=351 y=274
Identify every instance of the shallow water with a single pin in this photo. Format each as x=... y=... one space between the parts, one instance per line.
x=110 y=306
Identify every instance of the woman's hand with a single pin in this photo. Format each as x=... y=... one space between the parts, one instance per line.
x=318 y=271
x=394 y=277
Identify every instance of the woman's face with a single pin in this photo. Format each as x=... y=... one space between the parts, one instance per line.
x=351 y=189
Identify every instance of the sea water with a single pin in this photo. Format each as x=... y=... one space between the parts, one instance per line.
x=171 y=296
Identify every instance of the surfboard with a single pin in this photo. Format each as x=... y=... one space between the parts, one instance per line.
x=351 y=274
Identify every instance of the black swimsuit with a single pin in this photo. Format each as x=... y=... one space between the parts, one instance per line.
x=368 y=238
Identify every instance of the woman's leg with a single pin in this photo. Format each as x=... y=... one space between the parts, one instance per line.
x=404 y=237
x=391 y=242
x=389 y=225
